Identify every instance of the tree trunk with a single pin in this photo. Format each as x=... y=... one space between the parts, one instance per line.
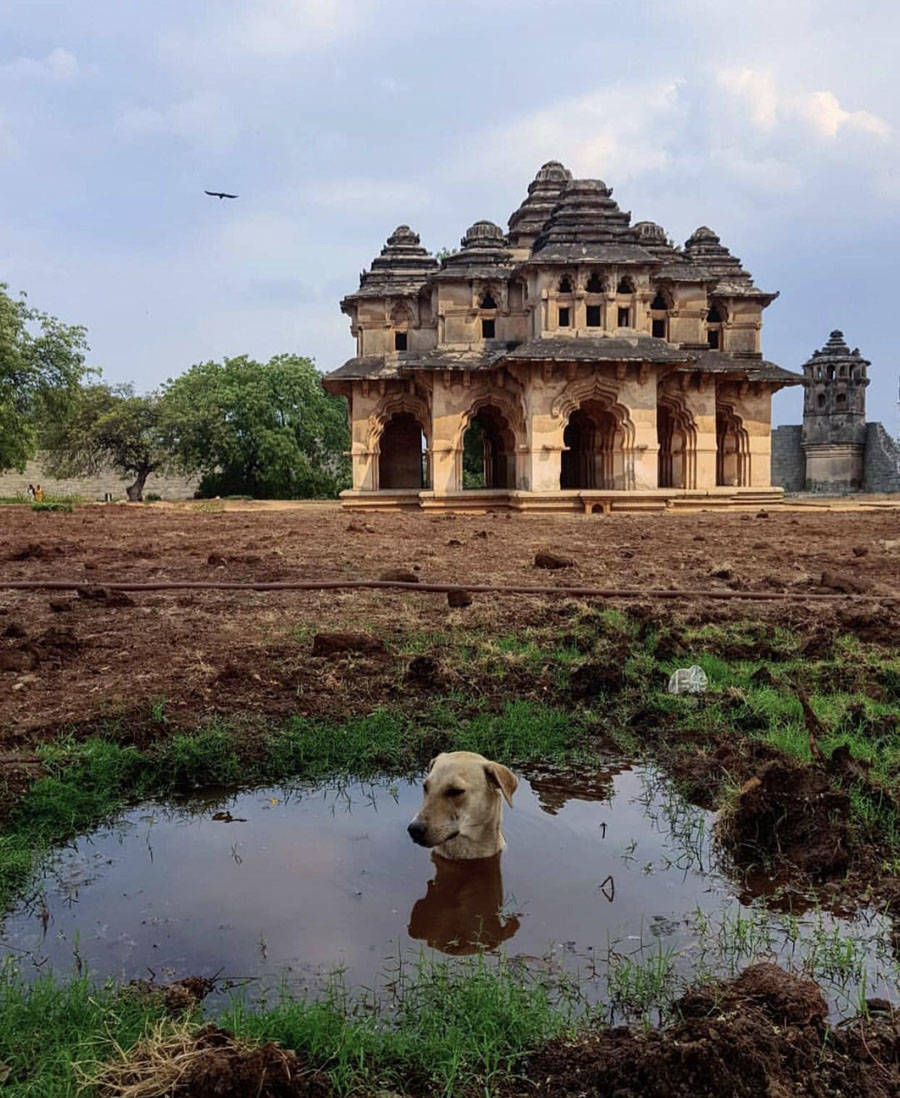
x=135 y=492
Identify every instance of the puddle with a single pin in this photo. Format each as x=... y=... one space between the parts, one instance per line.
x=612 y=882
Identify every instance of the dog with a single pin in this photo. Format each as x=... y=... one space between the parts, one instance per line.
x=460 y=814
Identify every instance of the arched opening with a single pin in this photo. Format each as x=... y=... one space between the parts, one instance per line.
x=401 y=453
x=565 y=285
x=489 y=451
x=595 y=284
x=732 y=449
x=625 y=286
x=487 y=300
x=820 y=400
x=676 y=435
x=593 y=454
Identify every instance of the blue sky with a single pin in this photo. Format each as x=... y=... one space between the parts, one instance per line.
x=776 y=123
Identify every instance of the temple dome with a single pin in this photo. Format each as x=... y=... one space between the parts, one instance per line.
x=484 y=234
x=543 y=194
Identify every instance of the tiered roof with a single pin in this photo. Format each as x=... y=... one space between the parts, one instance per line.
x=836 y=353
x=483 y=254
x=402 y=268
x=586 y=225
x=543 y=194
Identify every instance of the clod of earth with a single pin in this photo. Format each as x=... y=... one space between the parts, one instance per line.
x=846 y=584
x=763 y=1033
x=552 y=560
x=458 y=599
x=337 y=644
x=107 y=597
x=860 y=551
x=424 y=671
x=399 y=575
x=790 y=815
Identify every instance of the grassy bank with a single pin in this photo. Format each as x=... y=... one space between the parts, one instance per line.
x=448 y=1029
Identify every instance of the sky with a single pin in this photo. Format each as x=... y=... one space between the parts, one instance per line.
x=775 y=123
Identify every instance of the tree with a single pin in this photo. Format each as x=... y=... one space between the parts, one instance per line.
x=267 y=430
x=108 y=425
x=41 y=368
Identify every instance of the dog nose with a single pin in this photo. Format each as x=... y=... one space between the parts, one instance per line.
x=416 y=831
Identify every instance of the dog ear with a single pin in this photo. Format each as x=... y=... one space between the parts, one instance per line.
x=503 y=778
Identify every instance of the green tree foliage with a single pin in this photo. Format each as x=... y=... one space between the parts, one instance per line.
x=268 y=430
x=473 y=456
x=108 y=425
x=41 y=367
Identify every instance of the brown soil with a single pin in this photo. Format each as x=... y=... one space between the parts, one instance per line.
x=762 y=1035
x=70 y=660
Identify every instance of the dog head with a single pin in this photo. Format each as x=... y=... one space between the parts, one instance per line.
x=462 y=805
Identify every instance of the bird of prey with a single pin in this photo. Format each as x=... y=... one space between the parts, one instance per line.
x=220 y=194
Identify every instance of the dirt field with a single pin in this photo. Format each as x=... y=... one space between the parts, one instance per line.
x=66 y=659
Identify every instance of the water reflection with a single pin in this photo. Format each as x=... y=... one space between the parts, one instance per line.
x=556 y=788
x=461 y=912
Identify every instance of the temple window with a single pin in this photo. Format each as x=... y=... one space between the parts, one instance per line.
x=714 y=316
x=712 y=339
x=841 y=398
x=625 y=286
x=624 y=318
x=564 y=317
x=594 y=284
x=659 y=328
x=820 y=400
x=565 y=285
x=659 y=303
x=399 y=341
x=487 y=301
x=488 y=329
x=593 y=316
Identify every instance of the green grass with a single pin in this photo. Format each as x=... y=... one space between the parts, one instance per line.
x=447 y=1027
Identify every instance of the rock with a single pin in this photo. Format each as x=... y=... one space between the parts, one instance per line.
x=458 y=599
x=339 y=644
x=860 y=550
x=843 y=582
x=399 y=575
x=552 y=560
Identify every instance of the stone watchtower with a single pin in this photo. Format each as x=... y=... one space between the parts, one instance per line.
x=834 y=417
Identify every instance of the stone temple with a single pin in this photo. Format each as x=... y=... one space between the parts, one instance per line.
x=600 y=366
x=835 y=451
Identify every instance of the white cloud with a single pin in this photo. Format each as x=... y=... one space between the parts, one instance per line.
x=757 y=90
x=59 y=64
x=284 y=28
x=616 y=132
x=825 y=114
x=205 y=119
x=768 y=107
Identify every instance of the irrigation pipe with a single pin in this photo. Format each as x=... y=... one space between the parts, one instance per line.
x=438 y=588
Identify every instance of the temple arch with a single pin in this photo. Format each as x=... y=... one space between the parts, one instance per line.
x=399 y=438
x=597 y=438
x=676 y=433
x=732 y=449
x=498 y=419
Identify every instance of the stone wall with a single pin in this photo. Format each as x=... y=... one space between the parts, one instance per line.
x=788 y=462
x=882 y=460
x=13 y=483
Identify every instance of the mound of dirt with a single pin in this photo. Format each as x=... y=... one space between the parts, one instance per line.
x=763 y=1034
x=339 y=644
x=790 y=815
x=210 y=1063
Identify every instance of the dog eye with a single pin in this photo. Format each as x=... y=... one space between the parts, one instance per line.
x=455 y=792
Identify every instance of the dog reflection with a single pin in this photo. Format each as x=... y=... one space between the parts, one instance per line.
x=460 y=912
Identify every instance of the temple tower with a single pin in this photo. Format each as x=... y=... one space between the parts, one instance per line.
x=834 y=417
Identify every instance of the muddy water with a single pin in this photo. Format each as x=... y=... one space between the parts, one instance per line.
x=596 y=878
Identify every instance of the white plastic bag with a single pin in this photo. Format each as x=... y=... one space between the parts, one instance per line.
x=688 y=680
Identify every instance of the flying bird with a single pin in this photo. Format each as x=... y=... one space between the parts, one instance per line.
x=220 y=194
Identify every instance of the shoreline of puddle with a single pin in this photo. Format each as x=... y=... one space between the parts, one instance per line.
x=608 y=881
